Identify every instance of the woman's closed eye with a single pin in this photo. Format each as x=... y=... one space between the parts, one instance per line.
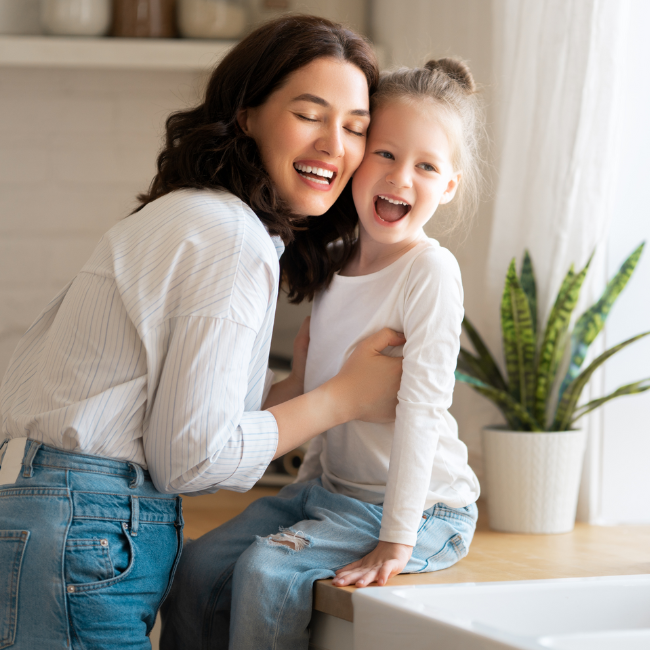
x=306 y=118
x=358 y=131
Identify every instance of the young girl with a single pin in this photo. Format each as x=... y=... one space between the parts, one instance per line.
x=371 y=500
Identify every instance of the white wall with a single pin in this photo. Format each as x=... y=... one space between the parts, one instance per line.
x=625 y=478
x=75 y=149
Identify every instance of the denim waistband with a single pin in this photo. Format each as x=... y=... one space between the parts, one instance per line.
x=42 y=455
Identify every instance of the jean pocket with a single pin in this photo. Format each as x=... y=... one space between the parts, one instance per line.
x=98 y=554
x=12 y=550
x=88 y=560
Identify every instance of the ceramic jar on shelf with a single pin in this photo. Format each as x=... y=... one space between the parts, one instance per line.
x=20 y=17
x=76 y=17
x=144 y=18
x=212 y=18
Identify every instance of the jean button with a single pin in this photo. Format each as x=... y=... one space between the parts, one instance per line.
x=103 y=542
x=70 y=589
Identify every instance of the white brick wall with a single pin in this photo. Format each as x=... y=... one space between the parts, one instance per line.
x=75 y=149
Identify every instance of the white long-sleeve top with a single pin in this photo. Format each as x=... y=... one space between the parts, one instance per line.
x=418 y=460
x=157 y=350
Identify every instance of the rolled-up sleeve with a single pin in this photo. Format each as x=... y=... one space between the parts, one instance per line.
x=199 y=437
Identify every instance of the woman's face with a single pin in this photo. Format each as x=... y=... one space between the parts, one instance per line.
x=311 y=133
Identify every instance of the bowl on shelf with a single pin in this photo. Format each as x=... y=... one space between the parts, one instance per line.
x=76 y=17
x=211 y=18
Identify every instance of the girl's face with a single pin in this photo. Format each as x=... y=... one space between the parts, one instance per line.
x=407 y=172
x=311 y=133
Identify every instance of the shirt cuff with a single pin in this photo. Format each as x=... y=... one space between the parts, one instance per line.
x=259 y=441
x=398 y=537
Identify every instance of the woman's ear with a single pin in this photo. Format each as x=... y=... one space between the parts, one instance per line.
x=243 y=119
x=452 y=186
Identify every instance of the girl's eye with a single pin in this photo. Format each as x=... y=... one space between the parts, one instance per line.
x=427 y=167
x=386 y=154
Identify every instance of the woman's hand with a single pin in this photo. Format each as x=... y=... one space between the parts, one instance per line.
x=386 y=561
x=368 y=382
x=365 y=389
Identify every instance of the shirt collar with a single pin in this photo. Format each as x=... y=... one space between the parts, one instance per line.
x=279 y=245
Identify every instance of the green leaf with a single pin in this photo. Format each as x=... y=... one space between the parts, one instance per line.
x=518 y=340
x=512 y=410
x=488 y=364
x=528 y=284
x=471 y=365
x=629 y=389
x=591 y=322
x=567 y=406
x=555 y=336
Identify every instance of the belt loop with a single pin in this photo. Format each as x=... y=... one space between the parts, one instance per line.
x=139 y=476
x=135 y=515
x=180 y=522
x=28 y=469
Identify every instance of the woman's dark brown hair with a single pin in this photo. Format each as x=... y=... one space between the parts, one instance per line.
x=205 y=147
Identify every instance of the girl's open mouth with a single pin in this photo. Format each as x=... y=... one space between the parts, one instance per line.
x=318 y=175
x=389 y=209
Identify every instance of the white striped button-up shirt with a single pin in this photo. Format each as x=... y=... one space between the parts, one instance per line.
x=157 y=351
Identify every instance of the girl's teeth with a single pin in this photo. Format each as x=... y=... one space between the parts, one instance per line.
x=392 y=200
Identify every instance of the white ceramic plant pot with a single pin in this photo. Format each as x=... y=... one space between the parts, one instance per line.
x=532 y=479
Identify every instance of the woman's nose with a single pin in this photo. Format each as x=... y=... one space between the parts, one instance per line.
x=331 y=143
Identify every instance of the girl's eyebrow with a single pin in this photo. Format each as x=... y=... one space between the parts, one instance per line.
x=315 y=99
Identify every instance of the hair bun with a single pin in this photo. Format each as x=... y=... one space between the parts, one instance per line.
x=457 y=70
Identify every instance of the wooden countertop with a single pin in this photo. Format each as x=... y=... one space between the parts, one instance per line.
x=587 y=551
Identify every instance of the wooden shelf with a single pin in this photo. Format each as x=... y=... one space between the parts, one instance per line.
x=111 y=53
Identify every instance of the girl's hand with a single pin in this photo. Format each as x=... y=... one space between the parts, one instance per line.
x=300 y=347
x=386 y=561
x=367 y=384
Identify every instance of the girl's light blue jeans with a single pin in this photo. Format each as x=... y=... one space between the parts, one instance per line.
x=88 y=548
x=237 y=588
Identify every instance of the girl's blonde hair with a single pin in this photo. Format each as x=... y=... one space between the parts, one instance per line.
x=449 y=85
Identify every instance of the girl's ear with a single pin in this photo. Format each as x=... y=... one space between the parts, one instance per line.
x=452 y=186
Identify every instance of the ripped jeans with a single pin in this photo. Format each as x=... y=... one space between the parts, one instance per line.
x=239 y=587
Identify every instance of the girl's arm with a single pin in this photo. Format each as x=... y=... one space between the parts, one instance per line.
x=294 y=384
x=433 y=314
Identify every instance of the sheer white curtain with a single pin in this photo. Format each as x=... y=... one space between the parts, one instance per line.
x=558 y=66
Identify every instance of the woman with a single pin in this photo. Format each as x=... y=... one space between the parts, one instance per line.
x=144 y=377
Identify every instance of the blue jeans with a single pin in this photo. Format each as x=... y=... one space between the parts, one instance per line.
x=236 y=587
x=88 y=549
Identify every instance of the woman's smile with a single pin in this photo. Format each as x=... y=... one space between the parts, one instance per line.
x=318 y=175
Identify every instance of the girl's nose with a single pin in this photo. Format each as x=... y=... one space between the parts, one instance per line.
x=331 y=143
x=399 y=177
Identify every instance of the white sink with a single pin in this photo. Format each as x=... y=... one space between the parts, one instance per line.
x=609 y=613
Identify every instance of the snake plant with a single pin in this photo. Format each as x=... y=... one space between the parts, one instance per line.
x=531 y=395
